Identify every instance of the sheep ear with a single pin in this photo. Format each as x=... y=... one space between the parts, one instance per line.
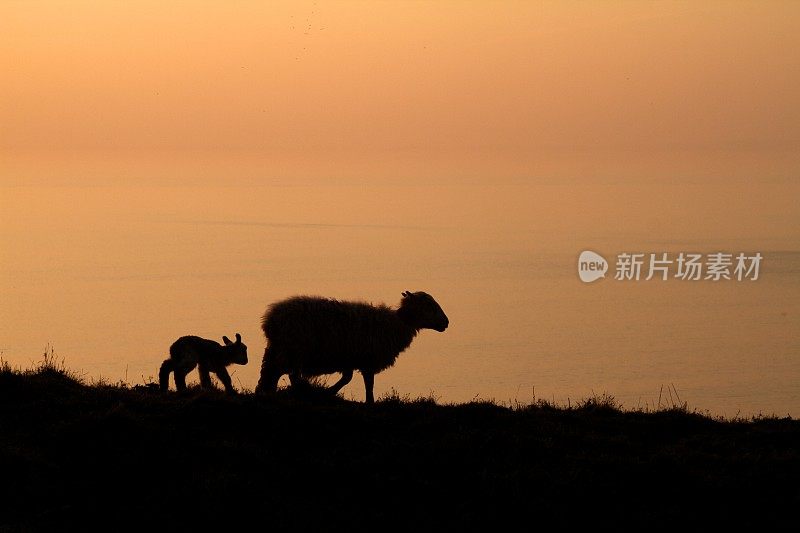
x=406 y=294
x=227 y=341
x=238 y=339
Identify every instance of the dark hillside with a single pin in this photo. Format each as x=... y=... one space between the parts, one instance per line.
x=78 y=457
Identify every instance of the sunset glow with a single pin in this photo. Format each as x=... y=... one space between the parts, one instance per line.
x=171 y=168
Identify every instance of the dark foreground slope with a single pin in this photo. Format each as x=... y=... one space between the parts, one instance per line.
x=76 y=457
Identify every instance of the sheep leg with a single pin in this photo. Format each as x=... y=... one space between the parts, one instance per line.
x=347 y=375
x=205 y=377
x=296 y=378
x=180 y=379
x=270 y=373
x=225 y=378
x=268 y=380
x=369 y=383
x=163 y=374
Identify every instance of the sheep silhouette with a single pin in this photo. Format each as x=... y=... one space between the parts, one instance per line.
x=209 y=356
x=311 y=336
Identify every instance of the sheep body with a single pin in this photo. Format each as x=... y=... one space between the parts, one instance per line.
x=322 y=336
x=311 y=336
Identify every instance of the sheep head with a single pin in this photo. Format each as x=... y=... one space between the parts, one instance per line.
x=421 y=311
x=237 y=351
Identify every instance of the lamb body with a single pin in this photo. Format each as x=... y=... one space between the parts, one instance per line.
x=209 y=356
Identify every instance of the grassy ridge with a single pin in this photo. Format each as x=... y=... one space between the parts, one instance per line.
x=78 y=457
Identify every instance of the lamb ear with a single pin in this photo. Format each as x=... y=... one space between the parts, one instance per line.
x=406 y=294
x=238 y=339
x=227 y=341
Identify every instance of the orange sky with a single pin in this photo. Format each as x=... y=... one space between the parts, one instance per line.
x=504 y=86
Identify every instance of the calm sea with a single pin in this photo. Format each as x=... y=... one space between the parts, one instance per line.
x=110 y=275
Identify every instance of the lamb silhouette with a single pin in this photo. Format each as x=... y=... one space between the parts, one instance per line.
x=209 y=356
x=312 y=336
